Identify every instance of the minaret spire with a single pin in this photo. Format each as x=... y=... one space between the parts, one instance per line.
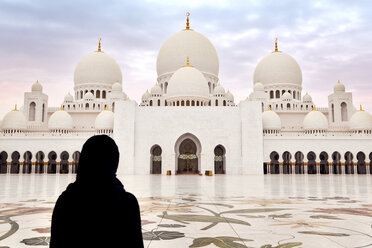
x=99 y=44
x=276 y=44
x=187 y=21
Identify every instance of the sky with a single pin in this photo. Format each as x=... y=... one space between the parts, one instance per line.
x=44 y=40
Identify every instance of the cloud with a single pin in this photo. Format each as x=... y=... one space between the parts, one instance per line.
x=45 y=40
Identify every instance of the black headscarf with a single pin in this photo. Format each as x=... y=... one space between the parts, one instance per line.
x=99 y=161
x=95 y=210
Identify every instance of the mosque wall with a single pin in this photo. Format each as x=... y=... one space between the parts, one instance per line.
x=144 y=127
x=317 y=144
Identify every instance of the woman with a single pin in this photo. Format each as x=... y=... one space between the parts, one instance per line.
x=95 y=210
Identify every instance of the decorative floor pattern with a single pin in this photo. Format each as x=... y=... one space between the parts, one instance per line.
x=224 y=211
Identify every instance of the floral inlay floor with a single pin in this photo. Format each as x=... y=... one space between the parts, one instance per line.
x=206 y=217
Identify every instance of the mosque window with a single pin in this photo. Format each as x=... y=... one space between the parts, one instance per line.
x=192 y=103
x=187 y=103
x=333 y=112
x=294 y=94
x=178 y=103
x=271 y=94
x=31 y=111
x=224 y=102
x=277 y=94
x=43 y=113
x=343 y=112
x=182 y=103
x=81 y=94
x=158 y=102
x=216 y=102
x=92 y=91
x=87 y=106
x=150 y=102
x=165 y=87
x=288 y=106
x=104 y=94
x=98 y=94
x=197 y=103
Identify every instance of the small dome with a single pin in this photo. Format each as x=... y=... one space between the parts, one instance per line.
x=229 y=96
x=88 y=96
x=278 y=68
x=146 y=96
x=219 y=90
x=36 y=87
x=287 y=96
x=97 y=67
x=258 y=87
x=360 y=120
x=156 y=90
x=185 y=43
x=271 y=120
x=188 y=81
x=105 y=120
x=60 y=120
x=117 y=87
x=315 y=120
x=14 y=120
x=339 y=87
x=69 y=98
x=307 y=98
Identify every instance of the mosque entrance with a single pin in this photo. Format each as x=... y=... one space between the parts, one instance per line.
x=156 y=160
x=188 y=161
x=219 y=160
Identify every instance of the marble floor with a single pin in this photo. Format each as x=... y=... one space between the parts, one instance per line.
x=266 y=211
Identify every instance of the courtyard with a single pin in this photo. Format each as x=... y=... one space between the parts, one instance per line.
x=219 y=211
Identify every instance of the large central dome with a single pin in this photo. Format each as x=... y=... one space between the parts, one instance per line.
x=187 y=43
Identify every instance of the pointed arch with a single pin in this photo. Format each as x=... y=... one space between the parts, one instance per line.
x=187 y=150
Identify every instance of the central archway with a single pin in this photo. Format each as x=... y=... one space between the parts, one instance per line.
x=187 y=151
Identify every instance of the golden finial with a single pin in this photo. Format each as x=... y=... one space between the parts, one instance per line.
x=187 y=62
x=276 y=44
x=99 y=44
x=187 y=21
x=15 y=108
x=360 y=107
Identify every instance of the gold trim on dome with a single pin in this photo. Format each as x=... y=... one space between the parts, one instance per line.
x=187 y=21
x=276 y=44
x=99 y=44
x=187 y=62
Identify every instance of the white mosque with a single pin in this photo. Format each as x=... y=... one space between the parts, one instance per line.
x=188 y=123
